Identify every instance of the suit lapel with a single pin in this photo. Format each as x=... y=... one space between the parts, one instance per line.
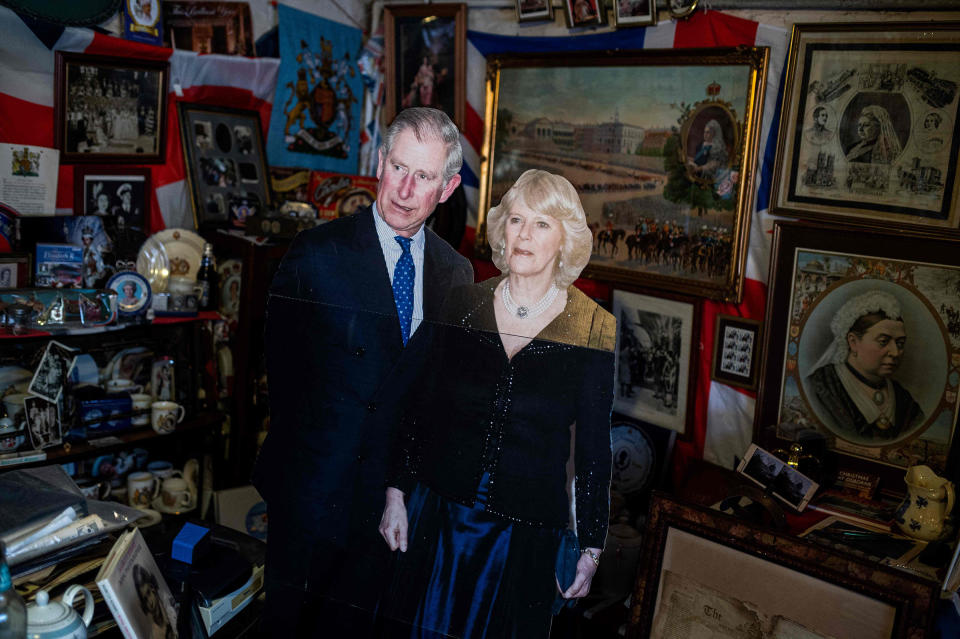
x=436 y=277
x=369 y=275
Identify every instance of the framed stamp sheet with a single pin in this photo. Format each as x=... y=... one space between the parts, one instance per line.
x=869 y=126
x=713 y=575
x=664 y=165
x=226 y=165
x=736 y=351
x=654 y=366
x=109 y=109
x=426 y=57
x=863 y=345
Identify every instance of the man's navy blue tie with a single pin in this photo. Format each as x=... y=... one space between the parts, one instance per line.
x=403 y=279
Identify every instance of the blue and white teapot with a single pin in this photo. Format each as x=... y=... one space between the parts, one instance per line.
x=57 y=619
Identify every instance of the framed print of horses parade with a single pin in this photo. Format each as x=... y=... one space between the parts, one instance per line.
x=863 y=346
x=662 y=155
x=870 y=125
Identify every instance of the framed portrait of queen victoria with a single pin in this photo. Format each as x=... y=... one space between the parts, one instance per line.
x=863 y=344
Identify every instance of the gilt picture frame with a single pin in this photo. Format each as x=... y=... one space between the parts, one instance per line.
x=664 y=165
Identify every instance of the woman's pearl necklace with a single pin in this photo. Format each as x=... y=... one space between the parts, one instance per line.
x=528 y=312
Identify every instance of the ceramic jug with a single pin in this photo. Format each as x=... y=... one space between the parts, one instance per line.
x=923 y=514
x=57 y=619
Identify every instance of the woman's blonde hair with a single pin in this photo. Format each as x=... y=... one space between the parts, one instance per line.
x=546 y=194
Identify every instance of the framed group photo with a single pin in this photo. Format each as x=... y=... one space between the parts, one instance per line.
x=863 y=346
x=109 y=109
x=664 y=165
x=226 y=166
x=425 y=58
x=869 y=128
x=714 y=575
x=654 y=368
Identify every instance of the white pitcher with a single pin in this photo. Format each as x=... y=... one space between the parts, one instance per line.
x=923 y=514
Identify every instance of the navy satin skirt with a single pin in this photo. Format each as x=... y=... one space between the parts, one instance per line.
x=471 y=574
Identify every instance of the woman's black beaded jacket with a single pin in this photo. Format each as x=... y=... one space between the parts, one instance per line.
x=479 y=411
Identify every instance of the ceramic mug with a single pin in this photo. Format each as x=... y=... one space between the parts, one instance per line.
x=166 y=416
x=122 y=386
x=14 y=404
x=175 y=496
x=141 y=410
x=163 y=469
x=142 y=488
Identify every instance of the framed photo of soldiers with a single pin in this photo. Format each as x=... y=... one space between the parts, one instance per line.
x=425 y=47
x=654 y=368
x=870 y=124
x=109 y=109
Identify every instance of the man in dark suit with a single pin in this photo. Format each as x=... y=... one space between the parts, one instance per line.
x=344 y=345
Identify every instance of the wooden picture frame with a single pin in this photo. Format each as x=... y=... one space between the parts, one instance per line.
x=109 y=109
x=823 y=277
x=655 y=366
x=899 y=80
x=668 y=209
x=426 y=58
x=725 y=571
x=226 y=164
x=209 y=27
x=634 y=13
x=736 y=352
x=534 y=10
x=583 y=13
x=14 y=270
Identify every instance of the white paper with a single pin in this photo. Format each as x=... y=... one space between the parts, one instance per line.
x=28 y=178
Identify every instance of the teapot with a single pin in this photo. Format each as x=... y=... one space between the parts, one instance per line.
x=923 y=514
x=57 y=619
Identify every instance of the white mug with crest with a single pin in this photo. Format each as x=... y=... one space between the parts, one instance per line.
x=166 y=416
x=142 y=488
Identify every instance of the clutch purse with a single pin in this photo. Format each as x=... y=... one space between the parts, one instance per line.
x=568 y=554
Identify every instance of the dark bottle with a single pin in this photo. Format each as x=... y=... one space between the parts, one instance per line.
x=207 y=279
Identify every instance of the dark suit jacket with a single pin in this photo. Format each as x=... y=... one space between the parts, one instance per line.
x=337 y=372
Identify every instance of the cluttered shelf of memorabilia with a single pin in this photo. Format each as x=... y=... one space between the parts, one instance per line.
x=156 y=321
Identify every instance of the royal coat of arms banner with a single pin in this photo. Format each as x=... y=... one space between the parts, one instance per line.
x=316 y=116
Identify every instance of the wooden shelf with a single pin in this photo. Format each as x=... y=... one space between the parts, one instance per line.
x=93 y=330
x=71 y=452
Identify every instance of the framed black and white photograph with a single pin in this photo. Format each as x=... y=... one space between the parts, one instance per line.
x=14 y=270
x=736 y=351
x=51 y=374
x=109 y=109
x=226 y=167
x=133 y=292
x=785 y=482
x=654 y=368
x=634 y=13
x=121 y=196
x=43 y=422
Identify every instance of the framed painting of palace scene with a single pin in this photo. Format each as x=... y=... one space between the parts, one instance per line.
x=869 y=127
x=664 y=165
x=863 y=346
x=425 y=47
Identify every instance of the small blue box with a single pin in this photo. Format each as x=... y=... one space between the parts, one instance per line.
x=185 y=542
x=101 y=410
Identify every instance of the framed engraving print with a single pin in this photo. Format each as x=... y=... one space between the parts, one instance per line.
x=863 y=345
x=869 y=126
x=109 y=109
x=425 y=49
x=713 y=575
x=653 y=368
x=736 y=351
x=663 y=164
x=226 y=169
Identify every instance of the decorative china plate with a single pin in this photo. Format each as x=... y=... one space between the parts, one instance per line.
x=153 y=264
x=184 y=251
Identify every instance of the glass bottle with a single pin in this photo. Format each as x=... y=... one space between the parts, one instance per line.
x=207 y=279
x=13 y=614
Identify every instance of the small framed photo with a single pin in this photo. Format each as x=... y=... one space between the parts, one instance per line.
x=425 y=48
x=14 y=270
x=534 y=10
x=162 y=380
x=119 y=195
x=109 y=109
x=51 y=374
x=785 y=482
x=133 y=292
x=43 y=422
x=736 y=351
x=582 y=13
x=654 y=362
x=634 y=13
x=226 y=166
